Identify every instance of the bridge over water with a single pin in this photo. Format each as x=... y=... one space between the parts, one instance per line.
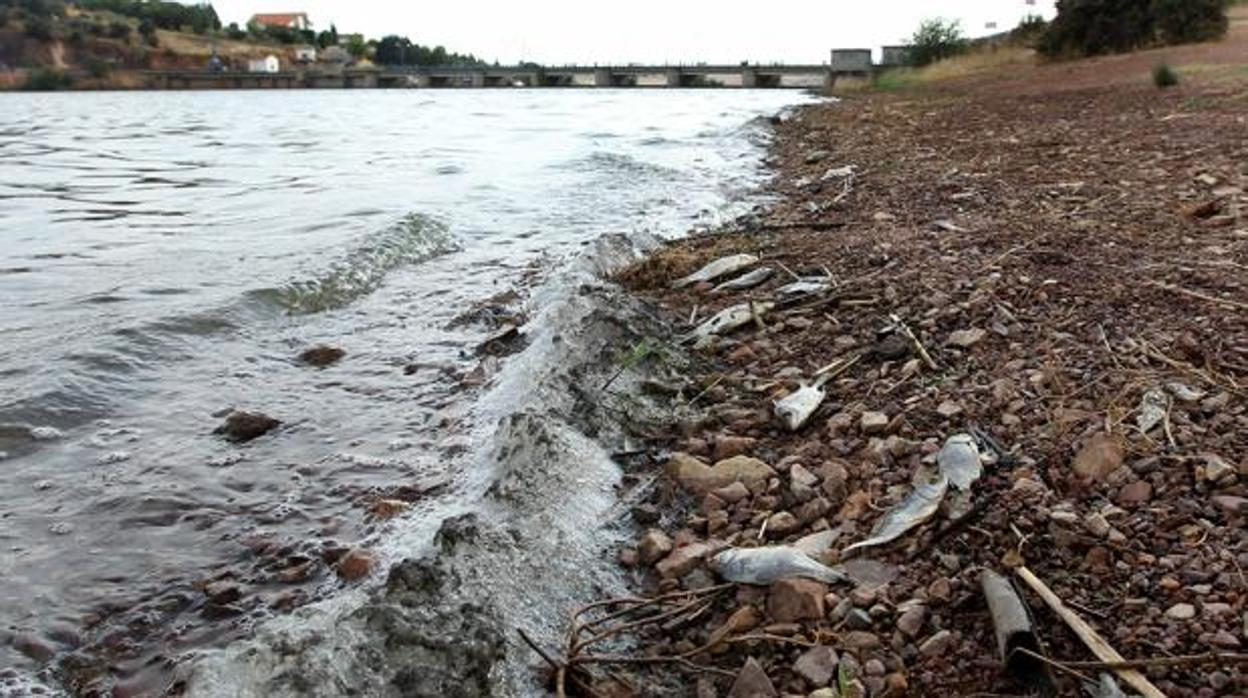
x=844 y=62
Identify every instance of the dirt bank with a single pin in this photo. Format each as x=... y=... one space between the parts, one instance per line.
x=1072 y=265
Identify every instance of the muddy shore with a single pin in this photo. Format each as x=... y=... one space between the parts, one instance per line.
x=1065 y=278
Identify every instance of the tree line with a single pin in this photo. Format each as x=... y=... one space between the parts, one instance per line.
x=1089 y=28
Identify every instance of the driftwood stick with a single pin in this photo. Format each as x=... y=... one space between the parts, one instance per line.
x=1102 y=649
x=1185 y=660
x=1234 y=305
x=918 y=346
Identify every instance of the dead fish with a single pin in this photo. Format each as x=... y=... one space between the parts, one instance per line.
x=918 y=506
x=729 y=319
x=1184 y=393
x=749 y=280
x=1152 y=409
x=716 y=269
x=770 y=564
x=958 y=461
x=803 y=287
x=796 y=407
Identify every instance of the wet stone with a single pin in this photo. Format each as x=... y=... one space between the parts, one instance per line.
x=321 y=356
x=792 y=600
x=241 y=427
x=817 y=665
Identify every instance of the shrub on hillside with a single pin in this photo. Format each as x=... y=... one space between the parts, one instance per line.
x=39 y=28
x=46 y=80
x=1093 y=27
x=119 y=30
x=936 y=39
x=1164 y=76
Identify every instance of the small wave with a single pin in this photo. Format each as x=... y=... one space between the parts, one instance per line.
x=604 y=163
x=414 y=239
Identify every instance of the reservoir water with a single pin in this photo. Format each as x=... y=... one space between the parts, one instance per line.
x=166 y=257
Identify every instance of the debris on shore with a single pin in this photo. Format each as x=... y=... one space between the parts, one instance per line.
x=1030 y=462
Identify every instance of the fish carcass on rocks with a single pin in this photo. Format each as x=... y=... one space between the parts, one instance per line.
x=716 y=269
x=747 y=280
x=770 y=564
x=729 y=319
x=930 y=486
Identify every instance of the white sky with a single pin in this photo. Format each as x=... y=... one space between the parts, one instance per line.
x=658 y=31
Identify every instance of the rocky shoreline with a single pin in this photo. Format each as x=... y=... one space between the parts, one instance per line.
x=1057 y=285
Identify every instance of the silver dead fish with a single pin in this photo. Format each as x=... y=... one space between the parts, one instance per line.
x=959 y=461
x=1152 y=409
x=716 y=269
x=770 y=564
x=918 y=506
x=803 y=287
x=729 y=319
x=796 y=407
x=747 y=280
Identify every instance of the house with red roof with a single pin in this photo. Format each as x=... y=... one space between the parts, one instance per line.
x=289 y=20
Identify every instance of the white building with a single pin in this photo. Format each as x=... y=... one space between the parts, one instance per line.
x=305 y=54
x=268 y=64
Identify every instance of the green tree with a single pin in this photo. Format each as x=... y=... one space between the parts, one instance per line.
x=38 y=27
x=936 y=39
x=1093 y=27
x=356 y=46
x=148 y=31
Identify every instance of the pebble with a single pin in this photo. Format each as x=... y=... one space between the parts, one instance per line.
x=355 y=564
x=910 y=623
x=1181 y=611
x=792 y=600
x=653 y=546
x=873 y=422
x=938 y=644
x=817 y=665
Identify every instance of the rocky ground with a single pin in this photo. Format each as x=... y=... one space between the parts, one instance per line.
x=1066 y=274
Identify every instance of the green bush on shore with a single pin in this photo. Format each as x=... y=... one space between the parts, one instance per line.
x=1165 y=76
x=1094 y=27
x=936 y=39
x=47 y=80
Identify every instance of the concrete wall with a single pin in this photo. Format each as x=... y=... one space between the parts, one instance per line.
x=895 y=55
x=851 y=60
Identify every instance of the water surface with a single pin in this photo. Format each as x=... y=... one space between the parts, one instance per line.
x=166 y=258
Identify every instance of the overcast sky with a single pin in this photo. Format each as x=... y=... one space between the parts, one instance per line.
x=671 y=31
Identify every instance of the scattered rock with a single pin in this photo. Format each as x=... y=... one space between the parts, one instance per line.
x=781 y=524
x=1181 y=611
x=752 y=682
x=967 y=338
x=356 y=564
x=729 y=446
x=321 y=356
x=682 y=560
x=697 y=477
x=1100 y=456
x=873 y=423
x=817 y=665
x=938 y=644
x=241 y=427
x=388 y=508
x=792 y=600
x=911 y=622
x=653 y=546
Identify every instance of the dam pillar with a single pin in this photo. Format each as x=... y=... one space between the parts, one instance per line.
x=422 y=81
x=673 y=76
x=603 y=78
x=478 y=79
x=749 y=77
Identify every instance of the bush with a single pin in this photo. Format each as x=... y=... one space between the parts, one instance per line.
x=119 y=30
x=1164 y=76
x=148 y=31
x=46 y=80
x=1029 y=30
x=39 y=28
x=1093 y=27
x=234 y=32
x=98 y=68
x=936 y=39
x=1190 y=21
